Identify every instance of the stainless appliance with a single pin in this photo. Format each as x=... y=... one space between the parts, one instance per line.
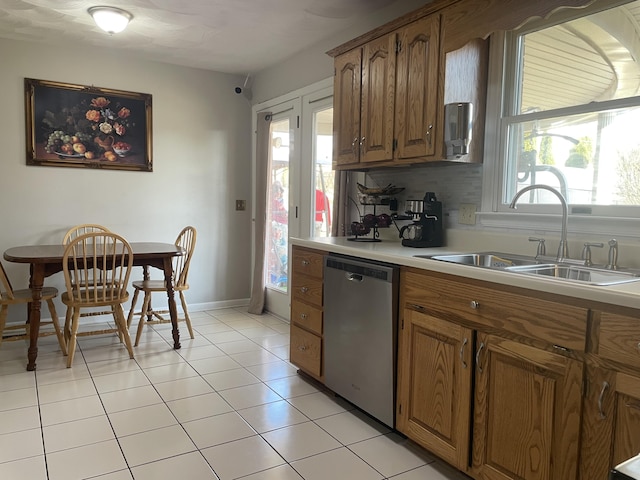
x=458 y=122
x=360 y=320
x=426 y=230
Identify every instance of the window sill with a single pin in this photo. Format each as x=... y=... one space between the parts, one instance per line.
x=578 y=224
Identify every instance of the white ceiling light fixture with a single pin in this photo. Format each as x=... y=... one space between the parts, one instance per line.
x=110 y=19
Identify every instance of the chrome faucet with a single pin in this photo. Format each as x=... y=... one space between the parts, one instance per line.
x=563 y=248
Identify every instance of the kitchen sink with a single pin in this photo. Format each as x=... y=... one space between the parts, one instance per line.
x=485 y=259
x=576 y=273
x=542 y=268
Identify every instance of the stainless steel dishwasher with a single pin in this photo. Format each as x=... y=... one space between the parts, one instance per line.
x=360 y=320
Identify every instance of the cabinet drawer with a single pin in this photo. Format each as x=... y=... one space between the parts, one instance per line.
x=307 y=289
x=306 y=316
x=306 y=351
x=307 y=262
x=620 y=338
x=551 y=322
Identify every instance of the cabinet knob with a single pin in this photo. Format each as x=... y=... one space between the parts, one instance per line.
x=474 y=304
x=303 y=316
x=304 y=289
x=305 y=262
x=302 y=348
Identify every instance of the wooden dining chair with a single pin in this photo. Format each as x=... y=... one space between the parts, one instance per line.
x=9 y=296
x=187 y=240
x=96 y=270
x=81 y=229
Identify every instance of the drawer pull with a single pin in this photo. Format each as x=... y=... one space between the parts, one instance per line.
x=562 y=349
x=474 y=304
x=305 y=262
x=478 y=356
x=303 y=316
x=605 y=386
x=633 y=405
x=415 y=306
x=302 y=348
x=304 y=289
x=464 y=343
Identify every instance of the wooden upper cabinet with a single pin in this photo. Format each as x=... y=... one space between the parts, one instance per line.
x=378 y=95
x=417 y=90
x=346 y=105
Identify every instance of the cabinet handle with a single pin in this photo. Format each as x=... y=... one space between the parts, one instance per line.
x=304 y=289
x=478 y=356
x=305 y=262
x=302 y=348
x=474 y=304
x=303 y=316
x=415 y=306
x=633 y=405
x=562 y=349
x=428 y=134
x=362 y=141
x=605 y=386
x=355 y=140
x=464 y=343
x=638 y=346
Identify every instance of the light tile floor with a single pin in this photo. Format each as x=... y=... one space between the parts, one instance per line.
x=227 y=405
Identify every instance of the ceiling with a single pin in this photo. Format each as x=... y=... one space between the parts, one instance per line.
x=230 y=36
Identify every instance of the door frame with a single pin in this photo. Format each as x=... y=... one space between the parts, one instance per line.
x=277 y=302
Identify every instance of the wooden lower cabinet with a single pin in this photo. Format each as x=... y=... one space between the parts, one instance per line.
x=492 y=403
x=306 y=331
x=527 y=408
x=435 y=390
x=611 y=421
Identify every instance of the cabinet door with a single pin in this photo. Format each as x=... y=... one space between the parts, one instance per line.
x=527 y=412
x=346 y=108
x=611 y=422
x=417 y=89
x=378 y=96
x=434 y=389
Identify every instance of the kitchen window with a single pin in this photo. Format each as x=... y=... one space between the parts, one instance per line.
x=570 y=115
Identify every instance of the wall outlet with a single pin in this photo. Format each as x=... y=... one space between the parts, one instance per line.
x=467 y=214
x=241 y=204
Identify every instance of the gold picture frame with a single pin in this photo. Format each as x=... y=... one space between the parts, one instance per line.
x=88 y=127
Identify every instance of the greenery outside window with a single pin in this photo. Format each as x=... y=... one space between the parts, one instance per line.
x=571 y=114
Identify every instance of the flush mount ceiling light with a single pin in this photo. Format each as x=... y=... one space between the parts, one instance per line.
x=110 y=19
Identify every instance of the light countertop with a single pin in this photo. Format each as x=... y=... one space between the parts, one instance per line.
x=625 y=294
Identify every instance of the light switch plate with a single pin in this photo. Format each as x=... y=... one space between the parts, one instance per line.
x=467 y=214
x=241 y=205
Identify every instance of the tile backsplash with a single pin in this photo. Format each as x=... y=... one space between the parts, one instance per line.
x=452 y=184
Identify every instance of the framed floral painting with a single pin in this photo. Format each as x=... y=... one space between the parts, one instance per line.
x=81 y=126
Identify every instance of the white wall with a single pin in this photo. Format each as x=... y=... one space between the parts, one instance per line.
x=313 y=64
x=201 y=164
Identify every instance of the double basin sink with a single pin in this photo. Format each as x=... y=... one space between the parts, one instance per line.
x=542 y=267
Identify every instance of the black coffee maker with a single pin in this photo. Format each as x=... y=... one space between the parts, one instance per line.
x=426 y=230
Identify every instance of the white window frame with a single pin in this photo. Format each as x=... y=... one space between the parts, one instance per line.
x=620 y=221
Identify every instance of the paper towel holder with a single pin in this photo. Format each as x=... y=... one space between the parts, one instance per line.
x=458 y=127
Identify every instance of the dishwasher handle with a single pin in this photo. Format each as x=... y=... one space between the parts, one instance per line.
x=357 y=271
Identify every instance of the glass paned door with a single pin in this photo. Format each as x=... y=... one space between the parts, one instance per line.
x=323 y=173
x=277 y=246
